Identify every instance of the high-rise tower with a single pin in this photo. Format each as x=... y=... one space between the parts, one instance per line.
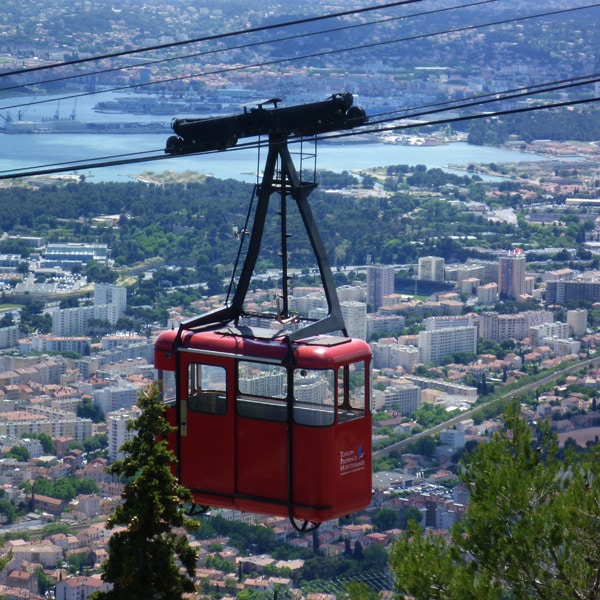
x=380 y=283
x=511 y=275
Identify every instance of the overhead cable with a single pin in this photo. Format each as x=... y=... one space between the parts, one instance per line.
x=246 y=46
x=312 y=55
x=210 y=38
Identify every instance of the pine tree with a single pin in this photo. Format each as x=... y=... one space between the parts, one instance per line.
x=531 y=528
x=148 y=558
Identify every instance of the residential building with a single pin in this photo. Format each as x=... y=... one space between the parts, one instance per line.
x=539 y=333
x=55 y=423
x=577 y=320
x=384 y=324
x=80 y=588
x=434 y=345
x=511 y=275
x=355 y=318
x=110 y=304
x=561 y=292
x=431 y=268
x=46 y=553
x=380 y=283
x=446 y=322
x=487 y=294
x=453 y=438
x=114 y=397
x=118 y=432
x=497 y=327
x=404 y=397
x=9 y=336
x=55 y=343
x=389 y=355
x=106 y=293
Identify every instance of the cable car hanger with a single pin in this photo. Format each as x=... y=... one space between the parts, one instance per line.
x=195 y=135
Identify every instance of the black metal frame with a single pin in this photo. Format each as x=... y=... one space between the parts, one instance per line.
x=287 y=182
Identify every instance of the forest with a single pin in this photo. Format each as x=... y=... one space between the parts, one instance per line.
x=559 y=124
x=419 y=212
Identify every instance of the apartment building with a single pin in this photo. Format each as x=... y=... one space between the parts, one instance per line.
x=355 y=318
x=435 y=344
x=431 y=268
x=380 y=283
x=511 y=275
x=497 y=327
x=118 y=432
x=403 y=397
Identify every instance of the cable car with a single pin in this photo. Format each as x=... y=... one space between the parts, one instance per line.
x=270 y=427
x=276 y=419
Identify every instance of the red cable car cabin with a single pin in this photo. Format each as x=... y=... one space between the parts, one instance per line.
x=269 y=426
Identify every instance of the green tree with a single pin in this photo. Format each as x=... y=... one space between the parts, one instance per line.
x=385 y=518
x=145 y=557
x=48 y=445
x=19 y=452
x=86 y=409
x=44 y=582
x=8 y=510
x=531 y=528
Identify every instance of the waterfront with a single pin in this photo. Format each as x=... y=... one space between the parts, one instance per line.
x=31 y=151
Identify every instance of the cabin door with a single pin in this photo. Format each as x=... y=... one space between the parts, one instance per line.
x=206 y=428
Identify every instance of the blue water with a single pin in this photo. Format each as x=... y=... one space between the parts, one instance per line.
x=33 y=151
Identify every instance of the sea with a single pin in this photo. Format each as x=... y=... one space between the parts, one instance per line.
x=46 y=151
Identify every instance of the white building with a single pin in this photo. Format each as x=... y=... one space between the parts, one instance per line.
x=487 y=294
x=577 y=321
x=446 y=322
x=384 y=325
x=9 y=336
x=431 y=268
x=110 y=304
x=539 y=333
x=563 y=346
x=80 y=588
x=355 y=318
x=497 y=327
x=115 y=397
x=54 y=343
x=66 y=255
x=454 y=438
x=106 y=293
x=389 y=355
x=511 y=275
x=404 y=397
x=118 y=433
x=434 y=345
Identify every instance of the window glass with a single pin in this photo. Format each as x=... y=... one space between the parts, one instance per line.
x=352 y=391
x=207 y=389
x=314 y=397
x=262 y=391
x=167 y=383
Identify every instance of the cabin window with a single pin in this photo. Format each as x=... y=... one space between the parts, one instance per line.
x=352 y=390
x=262 y=391
x=167 y=385
x=207 y=389
x=314 y=397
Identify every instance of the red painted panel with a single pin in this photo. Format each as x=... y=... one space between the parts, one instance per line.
x=262 y=459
